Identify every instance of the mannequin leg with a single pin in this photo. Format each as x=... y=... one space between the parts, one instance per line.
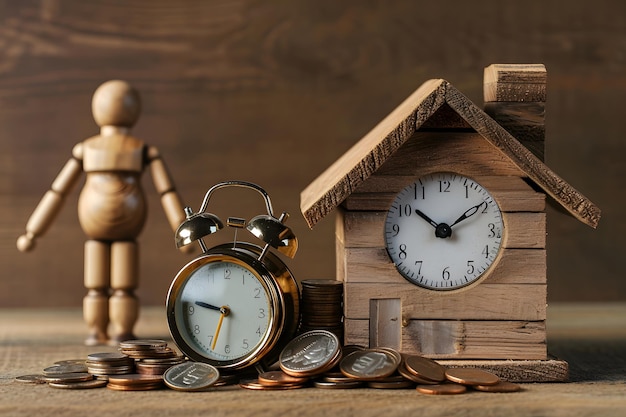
x=96 y=302
x=123 y=304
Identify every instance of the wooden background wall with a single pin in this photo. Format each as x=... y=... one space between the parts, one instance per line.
x=273 y=91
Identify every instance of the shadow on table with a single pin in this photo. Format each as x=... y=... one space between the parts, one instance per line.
x=592 y=360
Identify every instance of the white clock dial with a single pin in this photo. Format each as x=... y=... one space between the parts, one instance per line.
x=443 y=231
x=223 y=311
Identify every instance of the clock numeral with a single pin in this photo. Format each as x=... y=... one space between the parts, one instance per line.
x=245 y=344
x=470 y=267
x=227 y=349
x=493 y=231
x=258 y=331
x=227 y=273
x=257 y=292
x=402 y=254
x=418 y=264
x=486 y=251
x=196 y=329
x=419 y=192
x=444 y=186
x=261 y=313
x=405 y=210
x=191 y=310
x=396 y=230
x=445 y=274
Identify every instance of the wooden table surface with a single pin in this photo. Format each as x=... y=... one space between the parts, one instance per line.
x=591 y=337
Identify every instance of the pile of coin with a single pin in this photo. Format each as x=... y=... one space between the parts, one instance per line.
x=151 y=356
x=322 y=306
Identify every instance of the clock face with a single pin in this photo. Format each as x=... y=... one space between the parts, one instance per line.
x=223 y=311
x=443 y=231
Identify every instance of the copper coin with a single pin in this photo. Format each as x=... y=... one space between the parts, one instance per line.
x=31 y=379
x=338 y=385
x=441 y=389
x=191 y=376
x=254 y=384
x=135 y=379
x=71 y=362
x=391 y=384
x=310 y=353
x=471 y=376
x=425 y=368
x=502 y=386
x=412 y=377
x=369 y=364
x=146 y=387
x=94 y=383
x=280 y=378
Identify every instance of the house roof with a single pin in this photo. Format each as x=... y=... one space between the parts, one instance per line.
x=355 y=166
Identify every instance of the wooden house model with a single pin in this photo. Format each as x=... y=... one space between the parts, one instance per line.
x=498 y=320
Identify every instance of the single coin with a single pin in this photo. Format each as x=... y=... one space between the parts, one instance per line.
x=71 y=362
x=369 y=364
x=310 y=353
x=64 y=369
x=94 y=383
x=441 y=389
x=502 y=386
x=107 y=357
x=254 y=384
x=280 y=378
x=391 y=384
x=191 y=376
x=338 y=385
x=70 y=377
x=471 y=376
x=425 y=368
x=412 y=377
x=31 y=379
x=145 y=387
x=143 y=344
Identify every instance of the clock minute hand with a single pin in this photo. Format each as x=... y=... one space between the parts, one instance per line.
x=209 y=306
x=468 y=213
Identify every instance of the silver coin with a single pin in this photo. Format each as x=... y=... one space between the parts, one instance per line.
x=191 y=376
x=94 y=383
x=310 y=353
x=143 y=344
x=107 y=357
x=31 y=379
x=369 y=364
x=64 y=369
x=71 y=377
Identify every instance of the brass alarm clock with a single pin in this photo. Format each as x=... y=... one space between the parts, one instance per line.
x=236 y=305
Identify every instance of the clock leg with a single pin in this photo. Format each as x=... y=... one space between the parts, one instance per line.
x=123 y=304
x=96 y=302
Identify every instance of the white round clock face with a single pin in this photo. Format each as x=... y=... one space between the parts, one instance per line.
x=443 y=231
x=223 y=311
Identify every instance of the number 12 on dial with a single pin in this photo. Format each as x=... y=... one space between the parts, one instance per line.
x=443 y=231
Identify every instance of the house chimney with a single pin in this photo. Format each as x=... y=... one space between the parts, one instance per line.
x=515 y=97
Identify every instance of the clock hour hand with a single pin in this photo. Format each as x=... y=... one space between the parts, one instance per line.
x=469 y=213
x=428 y=219
x=211 y=306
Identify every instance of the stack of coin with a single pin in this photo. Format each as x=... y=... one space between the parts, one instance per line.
x=322 y=306
x=109 y=363
x=312 y=353
x=157 y=366
x=135 y=382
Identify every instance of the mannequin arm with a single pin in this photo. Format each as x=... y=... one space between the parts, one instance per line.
x=51 y=203
x=170 y=200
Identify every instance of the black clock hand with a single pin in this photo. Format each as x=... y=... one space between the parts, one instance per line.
x=425 y=217
x=468 y=213
x=210 y=306
x=442 y=230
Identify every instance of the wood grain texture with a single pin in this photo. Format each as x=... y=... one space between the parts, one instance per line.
x=274 y=92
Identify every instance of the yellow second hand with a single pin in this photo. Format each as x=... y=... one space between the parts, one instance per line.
x=217 y=331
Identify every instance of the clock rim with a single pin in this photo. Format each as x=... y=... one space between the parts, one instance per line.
x=243 y=258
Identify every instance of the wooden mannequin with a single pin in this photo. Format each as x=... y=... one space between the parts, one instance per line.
x=111 y=210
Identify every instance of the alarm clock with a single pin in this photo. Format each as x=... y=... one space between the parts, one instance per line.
x=443 y=231
x=236 y=305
